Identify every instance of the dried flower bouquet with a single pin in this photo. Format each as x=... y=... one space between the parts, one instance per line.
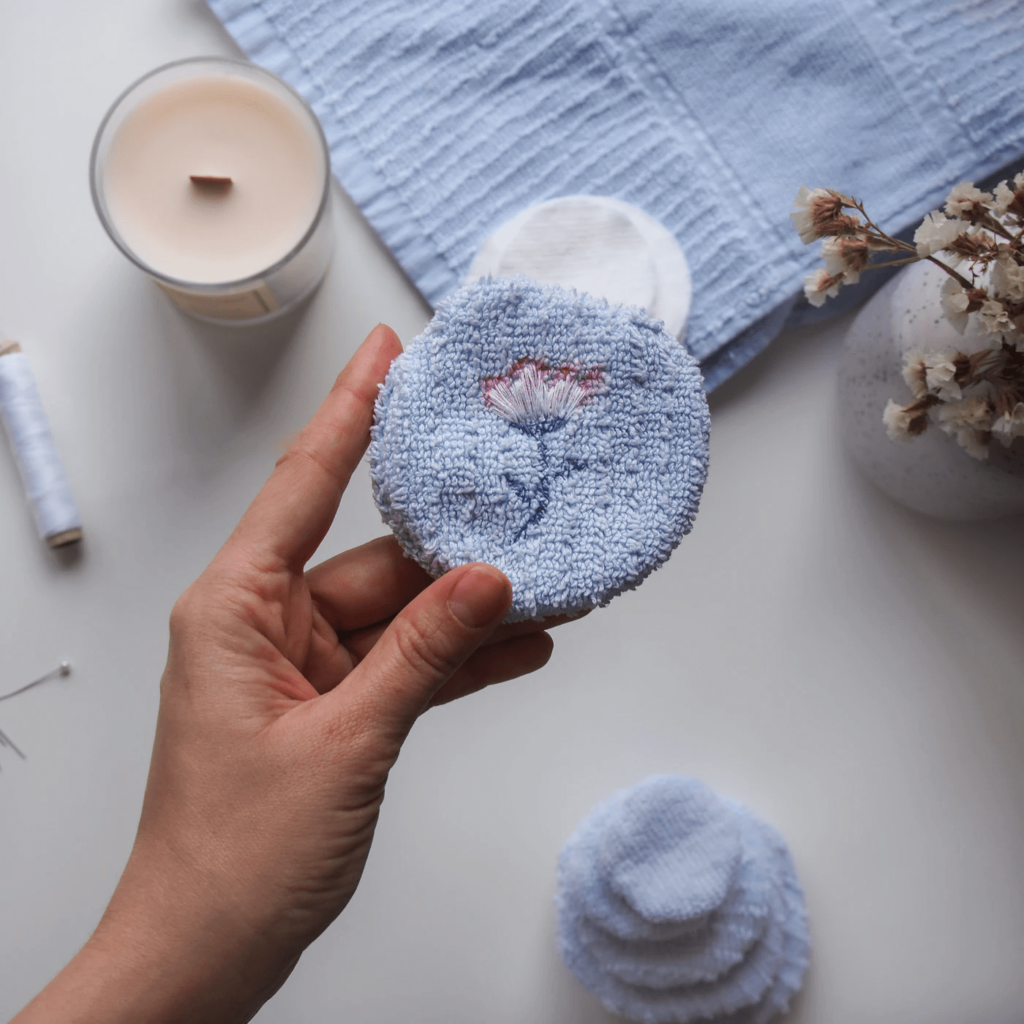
x=975 y=394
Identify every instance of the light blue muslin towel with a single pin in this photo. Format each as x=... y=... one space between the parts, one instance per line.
x=447 y=117
x=675 y=905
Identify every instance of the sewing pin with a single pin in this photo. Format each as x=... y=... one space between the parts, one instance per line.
x=63 y=669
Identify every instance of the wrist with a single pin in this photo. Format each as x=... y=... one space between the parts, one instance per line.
x=164 y=953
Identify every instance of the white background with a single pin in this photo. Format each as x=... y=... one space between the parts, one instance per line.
x=852 y=671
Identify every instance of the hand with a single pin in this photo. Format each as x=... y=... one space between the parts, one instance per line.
x=285 y=701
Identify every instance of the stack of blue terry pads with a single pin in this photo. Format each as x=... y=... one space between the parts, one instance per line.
x=675 y=906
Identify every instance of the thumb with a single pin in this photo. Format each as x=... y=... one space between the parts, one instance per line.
x=421 y=648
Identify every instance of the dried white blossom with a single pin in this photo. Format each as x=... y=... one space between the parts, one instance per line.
x=821 y=284
x=901 y=421
x=1008 y=276
x=994 y=318
x=832 y=256
x=969 y=421
x=966 y=392
x=964 y=198
x=969 y=412
x=846 y=257
x=954 y=302
x=1004 y=195
x=1009 y=425
x=973 y=244
x=973 y=442
x=914 y=373
x=935 y=233
x=939 y=377
x=897 y=421
x=819 y=213
x=803 y=215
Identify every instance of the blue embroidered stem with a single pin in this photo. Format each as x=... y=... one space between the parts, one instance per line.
x=538 y=497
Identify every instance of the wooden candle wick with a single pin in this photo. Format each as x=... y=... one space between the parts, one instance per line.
x=210 y=181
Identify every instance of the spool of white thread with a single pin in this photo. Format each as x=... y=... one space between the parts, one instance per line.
x=28 y=431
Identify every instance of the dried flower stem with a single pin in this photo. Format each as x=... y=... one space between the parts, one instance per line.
x=975 y=397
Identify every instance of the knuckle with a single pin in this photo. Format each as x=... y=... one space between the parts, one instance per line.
x=420 y=651
x=304 y=452
x=183 y=612
x=196 y=609
x=293 y=452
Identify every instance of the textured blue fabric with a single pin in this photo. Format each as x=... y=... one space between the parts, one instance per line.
x=679 y=959
x=446 y=118
x=576 y=498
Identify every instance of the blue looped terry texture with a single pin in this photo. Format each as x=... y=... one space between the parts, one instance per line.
x=445 y=118
x=546 y=432
x=675 y=905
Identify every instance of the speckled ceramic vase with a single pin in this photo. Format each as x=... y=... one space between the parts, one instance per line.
x=930 y=473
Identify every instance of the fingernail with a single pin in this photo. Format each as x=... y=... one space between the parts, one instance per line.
x=480 y=597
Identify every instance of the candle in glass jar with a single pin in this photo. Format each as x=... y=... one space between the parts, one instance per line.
x=213 y=176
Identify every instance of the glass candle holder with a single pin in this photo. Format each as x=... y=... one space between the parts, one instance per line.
x=213 y=176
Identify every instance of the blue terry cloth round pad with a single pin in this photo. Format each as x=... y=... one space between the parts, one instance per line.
x=561 y=439
x=668 y=852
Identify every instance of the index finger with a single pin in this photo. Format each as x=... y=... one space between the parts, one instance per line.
x=296 y=506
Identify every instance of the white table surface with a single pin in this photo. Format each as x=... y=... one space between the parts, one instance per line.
x=852 y=671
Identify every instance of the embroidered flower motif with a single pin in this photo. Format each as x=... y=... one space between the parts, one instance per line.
x=537 y=398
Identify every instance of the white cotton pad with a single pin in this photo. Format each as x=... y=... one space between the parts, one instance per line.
x=594 y=244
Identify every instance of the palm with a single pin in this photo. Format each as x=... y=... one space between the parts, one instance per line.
x=325 y=621
x=322 y=623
